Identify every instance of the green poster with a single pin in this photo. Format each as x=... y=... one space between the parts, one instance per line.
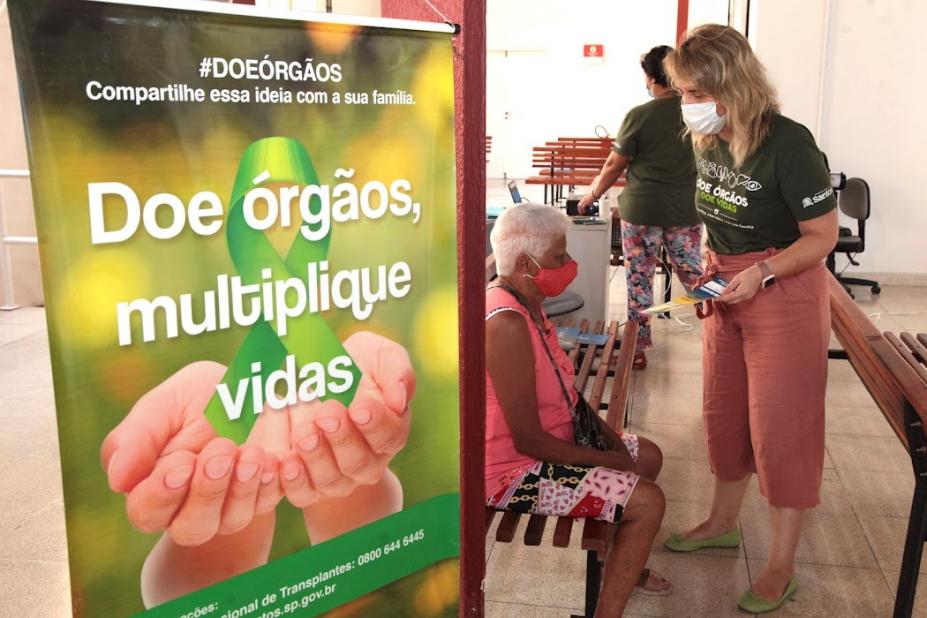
x=247 y=227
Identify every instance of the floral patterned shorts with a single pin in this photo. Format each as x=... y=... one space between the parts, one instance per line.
x=574 y=491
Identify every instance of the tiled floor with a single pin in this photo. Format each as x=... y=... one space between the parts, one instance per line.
x=850 y=552
x=33 y=550
x=849 y=556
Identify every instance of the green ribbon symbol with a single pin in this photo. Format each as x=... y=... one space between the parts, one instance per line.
x=308 y=337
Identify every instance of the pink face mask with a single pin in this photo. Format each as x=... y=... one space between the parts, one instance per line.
x=554 y=281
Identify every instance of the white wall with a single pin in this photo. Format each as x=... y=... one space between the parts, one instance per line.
x=707 y=12
x=16 y=194
x=788 y=36
x=575 y=94
x=871 y=101
x=561 y=93
x=345 y=7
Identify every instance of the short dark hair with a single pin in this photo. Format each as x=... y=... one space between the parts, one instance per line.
x=652 y=63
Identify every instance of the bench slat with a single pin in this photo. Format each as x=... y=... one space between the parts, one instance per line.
x=601 y=375
x=574 y=353
x=567 y=180
x=861 y=351
x=569 y=163
x=882 y=389
x=596 y=535
x=622 y=381
x=899 y=364
x=563 y=149
x=591 y=350
x=916 y=354
x=563 y=531
x=506 y=530
x=535 y=530
x=864 y=345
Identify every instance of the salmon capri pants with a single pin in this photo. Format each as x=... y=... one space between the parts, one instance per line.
x=764 y=377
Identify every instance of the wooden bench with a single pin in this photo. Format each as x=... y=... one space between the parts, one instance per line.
x=612 y=360
x=585 y=141
x=568 y=162
x=894 y=371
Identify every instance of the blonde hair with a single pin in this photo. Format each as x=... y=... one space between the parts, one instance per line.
x=718 y=61
x=525 y=229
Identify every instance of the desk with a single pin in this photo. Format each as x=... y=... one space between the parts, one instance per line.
x=905 y=357
x=590 y=246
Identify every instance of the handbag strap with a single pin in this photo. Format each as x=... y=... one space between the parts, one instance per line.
x=518 y=298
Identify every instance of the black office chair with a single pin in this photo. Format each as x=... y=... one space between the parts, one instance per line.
x=853 y=201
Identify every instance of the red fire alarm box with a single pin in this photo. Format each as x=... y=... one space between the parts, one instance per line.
x=593 y=50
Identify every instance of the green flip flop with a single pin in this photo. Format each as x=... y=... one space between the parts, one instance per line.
x=676 y=542
x=754 y=604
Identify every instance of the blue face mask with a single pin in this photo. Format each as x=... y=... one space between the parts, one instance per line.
x=649 y=92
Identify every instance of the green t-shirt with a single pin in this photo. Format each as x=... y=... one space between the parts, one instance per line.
x=759 y=204
x=661 y=173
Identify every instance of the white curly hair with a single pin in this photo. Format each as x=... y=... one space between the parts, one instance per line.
x=525 y=229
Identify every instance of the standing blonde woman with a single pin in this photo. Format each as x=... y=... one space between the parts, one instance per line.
x=764 y=194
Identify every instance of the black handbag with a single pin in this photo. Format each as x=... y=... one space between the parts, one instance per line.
x=587 y=430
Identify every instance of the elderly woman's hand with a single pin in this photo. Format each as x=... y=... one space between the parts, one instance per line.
x=620 y=458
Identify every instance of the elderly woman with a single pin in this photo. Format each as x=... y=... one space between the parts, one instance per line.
x=533 y=463
x=764 y=194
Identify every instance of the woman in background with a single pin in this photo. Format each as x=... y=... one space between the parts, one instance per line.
x=656 y=205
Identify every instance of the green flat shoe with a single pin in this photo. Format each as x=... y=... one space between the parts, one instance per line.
x=676 y=542
x=754 y=604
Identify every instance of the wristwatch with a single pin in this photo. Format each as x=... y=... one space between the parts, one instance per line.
x=768 y=277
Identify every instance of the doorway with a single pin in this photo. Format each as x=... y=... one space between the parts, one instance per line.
x=514 y=114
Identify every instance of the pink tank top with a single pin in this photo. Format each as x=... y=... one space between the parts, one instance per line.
x=503 y=462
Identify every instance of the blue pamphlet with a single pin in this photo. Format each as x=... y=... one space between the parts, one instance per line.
x=710 y=289
x=590 y=339
x=567 y=336
x=570 y=337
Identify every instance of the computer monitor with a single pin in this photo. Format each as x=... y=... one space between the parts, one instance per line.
x=513 y=189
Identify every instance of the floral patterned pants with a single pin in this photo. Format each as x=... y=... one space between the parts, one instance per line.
x=641 y=245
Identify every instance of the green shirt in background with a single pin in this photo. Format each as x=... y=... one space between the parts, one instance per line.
x=661 y=174
x=759 y=204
